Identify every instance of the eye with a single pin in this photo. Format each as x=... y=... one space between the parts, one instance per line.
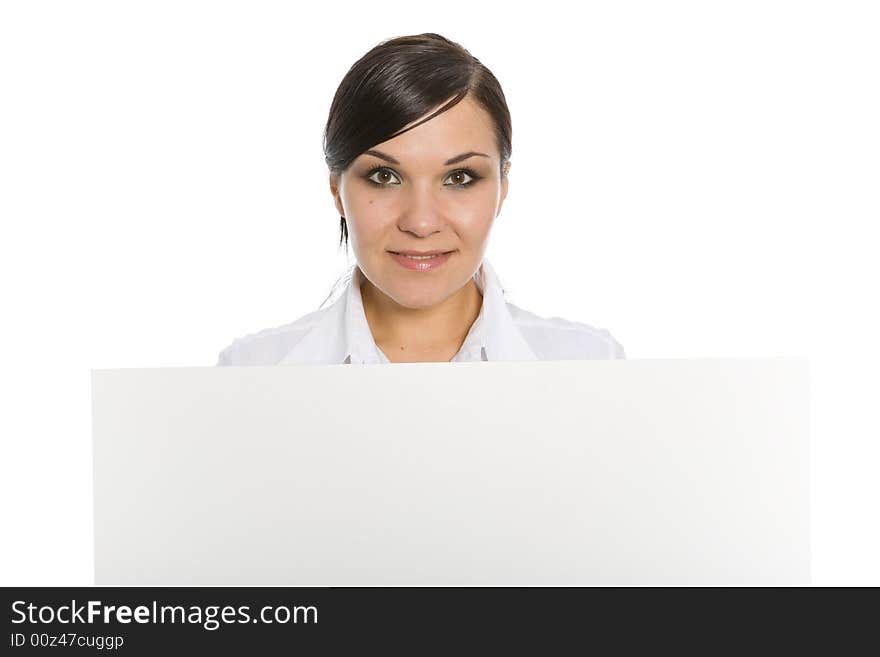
x=464 y=172
x=385 y=177
x=383 y=171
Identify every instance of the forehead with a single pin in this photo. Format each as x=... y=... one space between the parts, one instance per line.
x=464 y=127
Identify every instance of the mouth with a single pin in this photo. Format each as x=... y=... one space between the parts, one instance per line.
x=421 y=260
x=420 y=254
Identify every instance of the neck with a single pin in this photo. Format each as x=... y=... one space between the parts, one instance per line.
x=434 y=333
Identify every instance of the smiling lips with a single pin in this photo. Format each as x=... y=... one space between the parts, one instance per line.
x=421 y=253
x=421 y=260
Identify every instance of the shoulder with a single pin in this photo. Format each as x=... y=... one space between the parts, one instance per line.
x=268 y=346
x=555 y=338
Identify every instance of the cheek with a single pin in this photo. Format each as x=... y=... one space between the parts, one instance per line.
x=475 y=215
x=369 y=217
x=474 y=233
x=371 y=205
x=479 y=201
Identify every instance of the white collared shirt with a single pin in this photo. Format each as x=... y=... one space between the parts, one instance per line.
x=502 y=332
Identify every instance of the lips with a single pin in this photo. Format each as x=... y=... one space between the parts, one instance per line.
x=425 y=261
x=420 y=253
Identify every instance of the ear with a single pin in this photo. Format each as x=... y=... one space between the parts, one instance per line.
x=334 y=190
x=504 y=186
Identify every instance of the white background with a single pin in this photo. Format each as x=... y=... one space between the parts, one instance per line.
x=701 y=178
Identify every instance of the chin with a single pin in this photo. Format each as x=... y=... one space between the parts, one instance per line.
x=418 y=299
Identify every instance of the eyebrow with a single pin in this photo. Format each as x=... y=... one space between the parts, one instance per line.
x=452 y=160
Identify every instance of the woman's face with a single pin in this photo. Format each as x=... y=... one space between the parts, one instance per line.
x=436 y=187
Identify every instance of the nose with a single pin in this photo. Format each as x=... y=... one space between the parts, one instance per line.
x=422 y=211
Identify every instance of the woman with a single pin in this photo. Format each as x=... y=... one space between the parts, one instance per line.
x=418 y=146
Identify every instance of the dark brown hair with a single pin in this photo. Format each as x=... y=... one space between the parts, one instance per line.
x=399 y=81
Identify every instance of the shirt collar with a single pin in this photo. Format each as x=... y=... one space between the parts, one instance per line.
x=342 y=335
